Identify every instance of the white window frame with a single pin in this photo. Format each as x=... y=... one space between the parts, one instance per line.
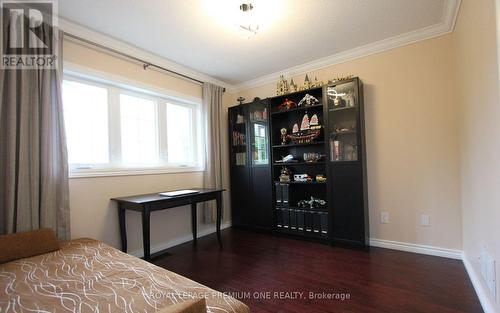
x=161 y=98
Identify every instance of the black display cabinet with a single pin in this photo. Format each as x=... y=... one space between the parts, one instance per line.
x=250 y=166
x=346 y=164
x=321 y=130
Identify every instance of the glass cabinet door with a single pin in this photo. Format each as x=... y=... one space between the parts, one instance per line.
x=259 y=133
x=239 y=136
x=343 y=122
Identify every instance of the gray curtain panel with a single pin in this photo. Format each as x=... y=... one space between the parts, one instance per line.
x=212 y=115
x=33 y=158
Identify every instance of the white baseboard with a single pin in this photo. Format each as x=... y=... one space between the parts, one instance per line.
x=178 y=241
x=481 y=291
x=415 y=248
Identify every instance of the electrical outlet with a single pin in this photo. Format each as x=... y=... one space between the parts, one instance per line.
x=384 y=217
x=425 y=220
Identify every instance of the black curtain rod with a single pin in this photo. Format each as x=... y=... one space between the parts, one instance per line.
x=145 y=64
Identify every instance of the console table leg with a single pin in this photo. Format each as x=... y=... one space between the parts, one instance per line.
x=123 y=228
x=194 y=221
x=219 y=216
x=146 y=234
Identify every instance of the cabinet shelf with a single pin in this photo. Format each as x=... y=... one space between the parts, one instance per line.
x=300 y=144
x=298 y=109
x=343 y=133
x=323 y=209
x=342 y=109
x=259 y=122
x=297 y=163
x=301 y=183
x=302 y=233
x=344 y=162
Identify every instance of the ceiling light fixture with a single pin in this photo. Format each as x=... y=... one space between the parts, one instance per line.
x=248 y=26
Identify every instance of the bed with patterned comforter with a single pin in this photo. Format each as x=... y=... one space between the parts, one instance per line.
x=86 y=275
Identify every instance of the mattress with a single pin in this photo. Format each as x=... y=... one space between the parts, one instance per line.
x=86 y=275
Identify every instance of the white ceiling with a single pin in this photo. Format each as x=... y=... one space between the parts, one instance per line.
x=199 y=34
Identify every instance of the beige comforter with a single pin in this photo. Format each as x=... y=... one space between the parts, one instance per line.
x=89 y=276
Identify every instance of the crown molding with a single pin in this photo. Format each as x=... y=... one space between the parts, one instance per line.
x=447 y=25
x=110 y=42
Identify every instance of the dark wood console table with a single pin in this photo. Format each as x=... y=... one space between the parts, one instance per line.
x=154 y=202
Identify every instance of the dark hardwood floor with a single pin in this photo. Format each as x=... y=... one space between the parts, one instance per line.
x=255 y=266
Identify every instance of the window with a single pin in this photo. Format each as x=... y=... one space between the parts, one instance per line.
x=180 y=122
x=139 y=140
x=86 y=123
x=121 y=129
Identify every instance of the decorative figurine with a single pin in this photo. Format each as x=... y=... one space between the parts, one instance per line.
x=303 y=178
x=292 y=86
x=286 y=175
x=311 y=157
x=316 y=83
x=240 y=100
x=339 y=79
x=314 y=122
x=288 y=158
x=349 y=99
x=283 y=136
x=311 y=204
x=286 y=105
x=305 y=125
x=307 y=83
x=306 y=134
x=282 y=86
x=320 y=178
x=308 y=100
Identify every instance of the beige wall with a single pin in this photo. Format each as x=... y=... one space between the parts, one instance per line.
x=412 y=140
x=92 y=212
x=477 y=87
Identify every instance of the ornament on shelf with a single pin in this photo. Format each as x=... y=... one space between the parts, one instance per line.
x=339 y=79
x=286 y=175
x=317 y=83
x=306 y=134
x=313 y=203
x=303 y=178
x=292 y=86
x=320 y=178
x=286 y=105
x=308 y=100
x=282 y=86
x=307 y=83
x=283 y=132
x=314 y=122
x=349 y=99
x=240 y=100
x=305 y=123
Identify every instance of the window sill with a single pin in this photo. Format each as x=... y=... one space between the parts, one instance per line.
x=132 y=172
